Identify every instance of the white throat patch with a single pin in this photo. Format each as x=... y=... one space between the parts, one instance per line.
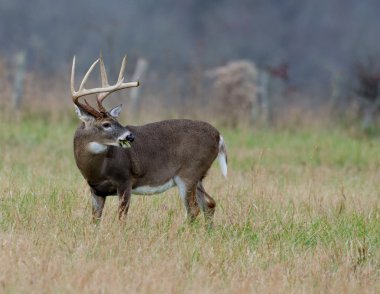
x=96 y=148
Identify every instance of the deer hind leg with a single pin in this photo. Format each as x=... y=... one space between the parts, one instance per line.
x=97 y=206
x=188 y=195
x=206 y=202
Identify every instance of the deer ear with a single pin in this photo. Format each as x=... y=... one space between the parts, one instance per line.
x=83 y=115
x=115 y=111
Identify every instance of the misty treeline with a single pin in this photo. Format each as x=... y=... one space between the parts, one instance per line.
x=304 y=53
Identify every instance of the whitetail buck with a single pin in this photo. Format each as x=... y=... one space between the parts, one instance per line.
x=145 y=160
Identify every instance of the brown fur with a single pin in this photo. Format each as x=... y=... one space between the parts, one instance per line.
x=159 y=152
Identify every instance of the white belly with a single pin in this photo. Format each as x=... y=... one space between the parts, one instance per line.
x=149 y=190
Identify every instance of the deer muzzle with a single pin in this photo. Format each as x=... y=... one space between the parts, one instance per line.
x=125 y=140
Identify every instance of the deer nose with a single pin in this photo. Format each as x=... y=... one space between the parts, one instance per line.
x=130 y=138
x=127 y=136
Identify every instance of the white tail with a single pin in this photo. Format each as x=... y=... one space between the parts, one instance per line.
x=222 y=156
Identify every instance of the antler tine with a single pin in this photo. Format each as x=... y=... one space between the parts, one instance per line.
x=76 y=95
x=103 y=72
x=119 y=85
x=72 y=78
x=120 y=79
x=81 y=87
x=122 y=68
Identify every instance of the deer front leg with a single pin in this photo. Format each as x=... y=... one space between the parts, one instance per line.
x=97 y=206
x=124 y=200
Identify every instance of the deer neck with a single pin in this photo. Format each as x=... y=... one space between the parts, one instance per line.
x=86 y=144
x=89 y=154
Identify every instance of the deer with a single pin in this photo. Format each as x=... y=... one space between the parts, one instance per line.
x=142 y=160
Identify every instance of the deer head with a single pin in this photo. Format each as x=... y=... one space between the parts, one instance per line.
x=101 y=125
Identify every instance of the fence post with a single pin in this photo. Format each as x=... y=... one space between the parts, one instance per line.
x=141 y=67
x=262 y=110
x=18 y=79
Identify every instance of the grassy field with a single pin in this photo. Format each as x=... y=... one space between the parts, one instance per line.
x=299 y=213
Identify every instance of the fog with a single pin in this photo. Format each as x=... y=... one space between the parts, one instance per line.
x=315 y=38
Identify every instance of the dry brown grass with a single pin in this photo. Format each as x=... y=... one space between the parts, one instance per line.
x=299 y=213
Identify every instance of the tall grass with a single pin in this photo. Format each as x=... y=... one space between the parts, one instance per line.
x=298 y=213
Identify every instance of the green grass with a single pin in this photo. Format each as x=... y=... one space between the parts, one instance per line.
x=299 y=212
x=332 y=148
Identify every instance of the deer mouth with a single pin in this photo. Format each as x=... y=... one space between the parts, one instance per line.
x=125 y=139
x=124 y=144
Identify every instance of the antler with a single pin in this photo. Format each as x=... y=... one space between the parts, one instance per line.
x=103 y=92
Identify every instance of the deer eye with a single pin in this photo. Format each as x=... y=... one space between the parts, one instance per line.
x=106 y=125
